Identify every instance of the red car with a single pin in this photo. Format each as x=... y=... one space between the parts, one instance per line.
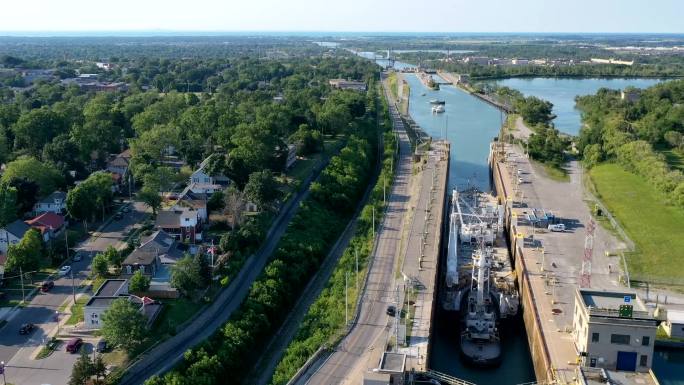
x=46 y=286
x=74 y=345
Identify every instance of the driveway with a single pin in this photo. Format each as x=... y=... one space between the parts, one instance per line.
x=16 y=350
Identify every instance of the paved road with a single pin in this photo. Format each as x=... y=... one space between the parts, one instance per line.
x=167 y=354
x=16 y=349
x=362 y=347
x=265 y=367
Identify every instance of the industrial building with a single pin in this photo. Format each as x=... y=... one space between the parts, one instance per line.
x=613 y=330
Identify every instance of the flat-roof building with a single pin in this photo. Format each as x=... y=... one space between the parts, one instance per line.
x=613 y=330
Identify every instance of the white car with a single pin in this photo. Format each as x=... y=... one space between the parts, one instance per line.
x=64 y=270
x=557 y=227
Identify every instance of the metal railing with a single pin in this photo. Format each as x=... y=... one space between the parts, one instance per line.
x=445 y=378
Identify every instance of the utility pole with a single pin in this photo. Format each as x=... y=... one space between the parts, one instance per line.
x=66 y=240
x=21 y=277
x=384 y=188
x=346 y=299
x=73 y=286
x=356 y=252
x=373 y=220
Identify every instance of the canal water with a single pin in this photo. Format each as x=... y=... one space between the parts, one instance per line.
x=562 y=92
x=469 y=124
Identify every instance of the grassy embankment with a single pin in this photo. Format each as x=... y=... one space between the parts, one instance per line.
x=654 y=226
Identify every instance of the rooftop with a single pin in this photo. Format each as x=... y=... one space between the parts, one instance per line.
x=110 y=288
x=393 y=362
x=610 y=300
x=675 y=316
x=102 y=301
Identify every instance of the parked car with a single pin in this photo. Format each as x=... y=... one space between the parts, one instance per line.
x=77 y=257
x=26 y=328
x=64 y=270
x=46 y=286
x=101 y=346
x=557 y=227
x=118 y=216
x=391 y=311
x=126 y=209
x=74 y=345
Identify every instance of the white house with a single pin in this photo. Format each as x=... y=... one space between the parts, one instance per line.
x=12 y=234
x=111 y=290
x=203 y=182
x=54 y=203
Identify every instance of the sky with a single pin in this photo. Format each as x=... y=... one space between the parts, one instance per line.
x=622 y=16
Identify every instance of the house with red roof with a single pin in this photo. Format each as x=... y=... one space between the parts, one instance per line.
x=49 y=224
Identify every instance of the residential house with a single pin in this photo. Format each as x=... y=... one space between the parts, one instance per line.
x=49 y=224
x=110 y=291
x=12 y=234
x=155 y=257
x=196 y=201
x=181 y=222
x=119 y=164
x=54 y=203
x=204 y=182
x=158 y=249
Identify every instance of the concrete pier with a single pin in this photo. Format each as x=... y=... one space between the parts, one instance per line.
x=421 y=248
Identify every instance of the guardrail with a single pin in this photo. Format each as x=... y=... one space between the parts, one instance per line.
x=451 y=380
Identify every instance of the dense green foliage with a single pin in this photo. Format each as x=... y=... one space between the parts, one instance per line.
x=124 y=325
x=628 y=131
x=231 y=350
x=325 y=318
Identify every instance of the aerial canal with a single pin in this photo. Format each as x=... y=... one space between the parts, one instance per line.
x=469 y=124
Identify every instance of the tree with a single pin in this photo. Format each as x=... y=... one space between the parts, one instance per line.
x=139 y=283
x=186 y=275
x=262 y=188
x=100 y=265
x=82 y=370
x=8 y=204
x=99 y=369
x=27 y=254
x=151 y=198
x=27 y=194
x=31 y=169
x=93 y=193
x=234 y=205
x=124 y=325
x=114 y=257
x=36 y=128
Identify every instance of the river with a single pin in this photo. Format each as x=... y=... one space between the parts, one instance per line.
x=562 y=92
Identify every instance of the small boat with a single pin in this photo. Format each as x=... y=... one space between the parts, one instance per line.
x=437 y=101
x=423 y=94
x=438 y=109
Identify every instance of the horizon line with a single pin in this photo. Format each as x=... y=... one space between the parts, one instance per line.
x=208 y=32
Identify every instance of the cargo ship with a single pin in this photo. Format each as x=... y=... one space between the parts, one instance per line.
x=479 y=281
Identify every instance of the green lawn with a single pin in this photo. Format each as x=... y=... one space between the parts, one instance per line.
x=77 y=310
x=655 y=227
x=174 y=313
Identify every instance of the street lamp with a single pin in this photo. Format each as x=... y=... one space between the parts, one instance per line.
x=2 y=370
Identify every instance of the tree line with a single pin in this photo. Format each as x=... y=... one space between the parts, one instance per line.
x=634 y=131
x=318 y=222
